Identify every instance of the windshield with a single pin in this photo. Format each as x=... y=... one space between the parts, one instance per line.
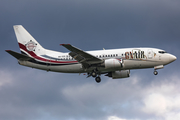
x=162 y=52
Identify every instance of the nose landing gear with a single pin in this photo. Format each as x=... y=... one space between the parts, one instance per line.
x=155 y=72
x=157 y=67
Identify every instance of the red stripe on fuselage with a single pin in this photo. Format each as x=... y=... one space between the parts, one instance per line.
x=40 y=58
x=25 y=49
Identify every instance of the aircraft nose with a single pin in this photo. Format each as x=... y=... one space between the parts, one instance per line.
x=172 y=58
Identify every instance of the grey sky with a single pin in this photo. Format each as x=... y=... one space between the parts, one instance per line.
x=32 y=94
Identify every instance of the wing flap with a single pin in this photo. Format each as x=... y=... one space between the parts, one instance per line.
x=76 y=56
x=18 y=55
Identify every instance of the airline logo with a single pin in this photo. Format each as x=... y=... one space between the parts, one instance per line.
x=31 y=46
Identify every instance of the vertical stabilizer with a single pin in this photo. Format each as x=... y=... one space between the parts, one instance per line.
x=28 y=45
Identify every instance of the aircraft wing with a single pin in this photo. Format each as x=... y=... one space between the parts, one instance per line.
x=18 y=55
x=82 y=56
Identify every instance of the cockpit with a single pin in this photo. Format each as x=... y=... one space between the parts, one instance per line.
x=162 y=52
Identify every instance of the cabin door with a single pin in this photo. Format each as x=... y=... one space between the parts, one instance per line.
x=150 y=54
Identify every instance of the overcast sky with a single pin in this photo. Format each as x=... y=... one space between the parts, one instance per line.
x=31 y=94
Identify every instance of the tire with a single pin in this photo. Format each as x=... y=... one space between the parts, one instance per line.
x=98 y=79
x=155 y=72
x=94 y=74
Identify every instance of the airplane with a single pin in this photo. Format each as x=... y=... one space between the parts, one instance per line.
x=114 y=63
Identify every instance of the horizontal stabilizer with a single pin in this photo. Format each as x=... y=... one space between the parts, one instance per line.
x=18 y=55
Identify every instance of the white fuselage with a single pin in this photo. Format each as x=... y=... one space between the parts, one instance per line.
x=133 y=58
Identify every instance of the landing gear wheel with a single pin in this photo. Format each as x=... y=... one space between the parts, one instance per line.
x=94 y=74
x=155 y=72
x=98 y=79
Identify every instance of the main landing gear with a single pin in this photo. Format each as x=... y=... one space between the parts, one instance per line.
x=98 y=79
x=96 y=76
x=155 y=72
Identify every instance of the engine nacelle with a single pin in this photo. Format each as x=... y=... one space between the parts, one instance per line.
x=119 y=74
x=113 y=63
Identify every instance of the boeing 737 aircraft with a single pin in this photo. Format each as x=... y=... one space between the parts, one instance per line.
x=115 y=63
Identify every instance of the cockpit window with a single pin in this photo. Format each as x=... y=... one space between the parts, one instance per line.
x=162 y=52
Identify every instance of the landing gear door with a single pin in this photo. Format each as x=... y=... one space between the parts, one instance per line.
x=150 y=54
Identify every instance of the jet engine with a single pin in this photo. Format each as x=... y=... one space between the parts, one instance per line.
x=119 y=74
x=113 y=63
